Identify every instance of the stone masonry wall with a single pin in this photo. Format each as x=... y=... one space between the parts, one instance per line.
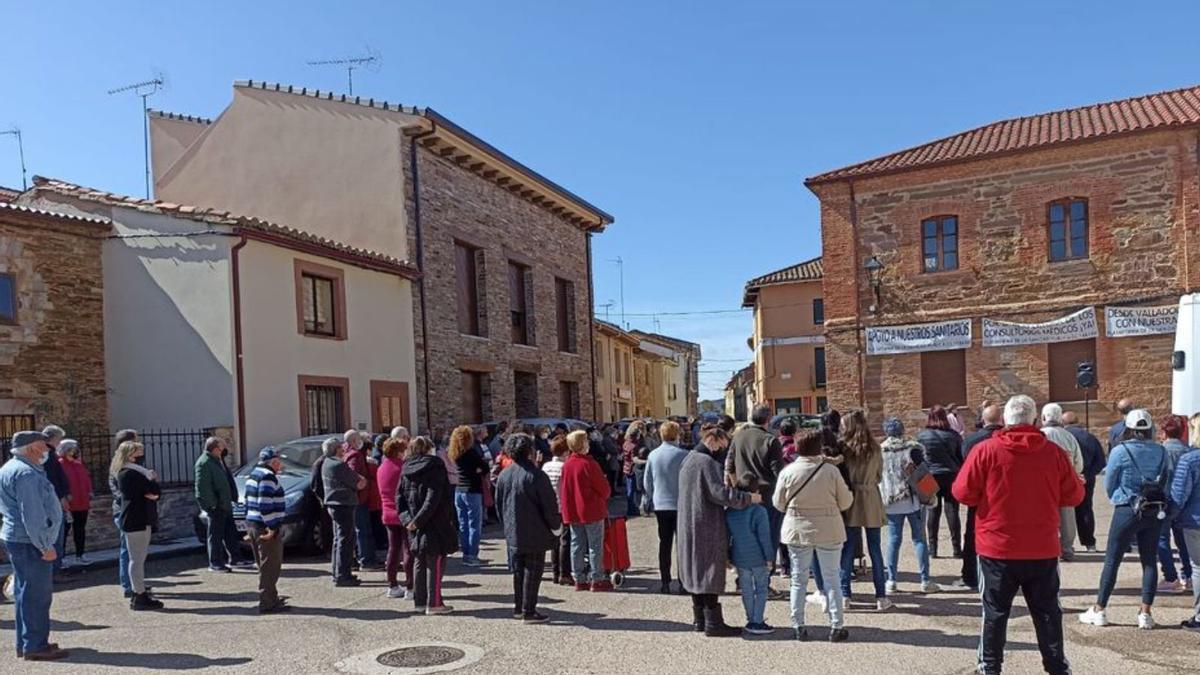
x=457 y=205
x=1142 y=198
x=52 y=359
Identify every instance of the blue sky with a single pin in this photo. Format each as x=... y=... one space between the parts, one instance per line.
x=694 y=123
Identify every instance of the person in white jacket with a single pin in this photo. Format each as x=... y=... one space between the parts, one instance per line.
x=1052 y=427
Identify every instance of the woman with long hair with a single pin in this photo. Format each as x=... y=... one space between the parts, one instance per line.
x=943 y=456
x=864 y=468
x=468 y=495
x=426 y=509
x=139 y=492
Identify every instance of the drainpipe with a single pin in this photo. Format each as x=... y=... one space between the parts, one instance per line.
x=239 y=372
x=591 y=325
x=416 y=186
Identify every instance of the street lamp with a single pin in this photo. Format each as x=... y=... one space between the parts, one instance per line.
x=874 y=270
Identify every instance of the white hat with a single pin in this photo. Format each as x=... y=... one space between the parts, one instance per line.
x=1139 y=420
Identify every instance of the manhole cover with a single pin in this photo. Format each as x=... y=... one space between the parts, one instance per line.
x=420 y=657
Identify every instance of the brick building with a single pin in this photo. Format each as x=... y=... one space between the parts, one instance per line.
x=994 y=261
x=51 y=320
x=502 y=310
x=788 y=339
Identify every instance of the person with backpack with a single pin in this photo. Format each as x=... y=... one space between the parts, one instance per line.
x=1135 y=480
x=901 y=457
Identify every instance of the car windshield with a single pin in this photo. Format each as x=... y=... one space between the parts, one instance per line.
x=297 y=456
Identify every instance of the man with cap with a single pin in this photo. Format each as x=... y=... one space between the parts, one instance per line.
x=265 y=509
x=32 y=523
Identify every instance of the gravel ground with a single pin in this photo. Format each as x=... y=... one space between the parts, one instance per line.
x=209 y=624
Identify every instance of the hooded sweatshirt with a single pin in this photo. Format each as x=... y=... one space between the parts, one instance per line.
x=1017 y=481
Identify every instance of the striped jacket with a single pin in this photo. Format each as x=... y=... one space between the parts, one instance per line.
x=264 y=498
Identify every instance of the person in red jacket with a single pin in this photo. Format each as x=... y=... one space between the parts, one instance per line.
x=80 y=501
x=583 y=494
x=1017 y=481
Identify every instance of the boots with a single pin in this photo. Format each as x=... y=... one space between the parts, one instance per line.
x=698 y=618
x=142 y=602
x=714 y=624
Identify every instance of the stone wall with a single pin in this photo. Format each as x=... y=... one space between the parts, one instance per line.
x=52 y=358
x=176 y=512
x=459 y=206
x=1142 y=202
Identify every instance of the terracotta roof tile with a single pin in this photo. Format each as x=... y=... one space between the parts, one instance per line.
x=809 y=270
x=20 y=208
x=1177 y=108
x=219 y=217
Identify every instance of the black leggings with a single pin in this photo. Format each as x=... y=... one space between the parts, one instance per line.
x=705 y=600
x=945 y=481
x=667 y=523
x=78 y=527
x=560 y=555
x=527 y=578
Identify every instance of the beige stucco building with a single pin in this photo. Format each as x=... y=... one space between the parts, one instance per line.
x=788 y=338
x=614 y=372
x=678 y=379
x=502 y=329
x=214 y=320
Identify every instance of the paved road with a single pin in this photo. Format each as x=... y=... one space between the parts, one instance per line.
x=209 y=625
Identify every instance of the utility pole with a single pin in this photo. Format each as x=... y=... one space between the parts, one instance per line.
x=21 y=152
x=145 y=90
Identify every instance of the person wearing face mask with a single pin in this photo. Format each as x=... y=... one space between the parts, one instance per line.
x=80 y=501
x=32 y=518
x=139 y=513
x=341 y=484
x=356 y=459
x=58 y=478
x=215 y=491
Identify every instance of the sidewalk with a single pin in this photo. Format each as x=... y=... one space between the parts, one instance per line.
x=105 y=558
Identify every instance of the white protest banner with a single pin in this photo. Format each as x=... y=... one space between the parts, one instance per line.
x=924 y=337
x=1131 y=321
x=1080 y=325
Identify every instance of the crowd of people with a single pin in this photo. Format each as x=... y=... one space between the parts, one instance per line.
x=805 y=503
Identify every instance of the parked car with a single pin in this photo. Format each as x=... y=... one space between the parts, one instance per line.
x=803 y=420
x=305 y=524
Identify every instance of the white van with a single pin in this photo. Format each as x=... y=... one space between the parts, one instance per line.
x=1185 y=361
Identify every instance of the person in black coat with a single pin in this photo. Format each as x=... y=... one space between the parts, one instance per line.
x=943 y=456
x=425 y=504
x=139 y=492
x=529 y=511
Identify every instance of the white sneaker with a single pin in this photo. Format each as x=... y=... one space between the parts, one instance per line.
x=396 y=592
x=408 y=594
x=817 y=598
x=444 y=609
x=931 y=587
x=956 y=585
x=883 y=604
x=1093 y=617
x=1145 y=621
x=82 y=561
x=890 y=588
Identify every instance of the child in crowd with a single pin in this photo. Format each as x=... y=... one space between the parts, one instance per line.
x=751 y=552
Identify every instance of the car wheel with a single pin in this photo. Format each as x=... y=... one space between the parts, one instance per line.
x=319 y=540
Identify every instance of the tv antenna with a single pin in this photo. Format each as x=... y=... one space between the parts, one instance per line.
x=20 y=151
x=607 y=306
x=621 y=273
x=370 y=60
x=144 y=89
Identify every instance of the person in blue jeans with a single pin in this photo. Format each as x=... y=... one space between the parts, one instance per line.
x=123 y=551
x=32 y=519
x=468 y=495
x=1172 y=429
x=864 y=470
x=752 y=551
x=901 y=457
x=1131 y=464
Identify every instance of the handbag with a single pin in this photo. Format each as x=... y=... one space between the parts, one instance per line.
x=923 y=484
